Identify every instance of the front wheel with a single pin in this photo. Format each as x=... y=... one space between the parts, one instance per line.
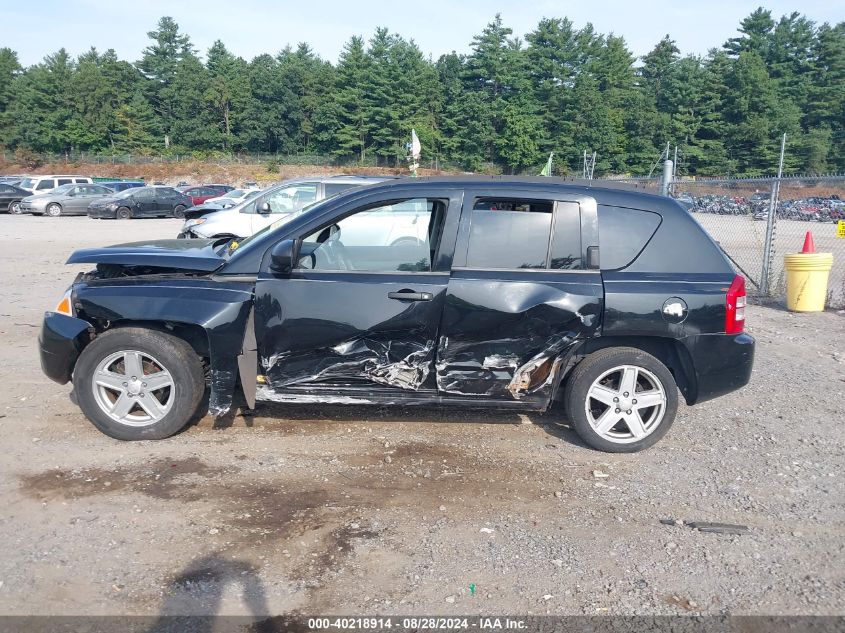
x=621 y=399
x=123 y=213
x=138 y=384
x=54 y=210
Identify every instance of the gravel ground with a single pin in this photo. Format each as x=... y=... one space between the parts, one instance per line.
x=354 y=510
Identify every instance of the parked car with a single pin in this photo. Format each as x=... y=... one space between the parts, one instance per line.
x=11 y=196
x=43 y=184
x=254 y=214
x=515 y=294
x=122 y=185
x=65 y=200
x=201 y=193
x=232 y=197
x=141 y=202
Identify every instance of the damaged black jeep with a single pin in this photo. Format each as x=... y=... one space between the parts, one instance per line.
x=501 y=293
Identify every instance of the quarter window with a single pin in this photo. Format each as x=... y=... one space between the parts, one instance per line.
x=397 y=237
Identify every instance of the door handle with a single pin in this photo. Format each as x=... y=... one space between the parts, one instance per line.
x=410 y=295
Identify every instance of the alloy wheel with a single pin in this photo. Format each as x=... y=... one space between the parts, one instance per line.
x=133 y=388
x=626 y=404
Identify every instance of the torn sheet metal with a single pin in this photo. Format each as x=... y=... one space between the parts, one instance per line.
x=383 y=362
x=506 y=337
x=268 y=394
x=248 y=361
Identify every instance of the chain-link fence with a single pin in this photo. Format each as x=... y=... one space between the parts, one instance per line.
x=736 y=213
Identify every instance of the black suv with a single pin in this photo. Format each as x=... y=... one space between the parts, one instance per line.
x=503 y=293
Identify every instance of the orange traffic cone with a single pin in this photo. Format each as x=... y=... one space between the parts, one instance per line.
x=809 y=247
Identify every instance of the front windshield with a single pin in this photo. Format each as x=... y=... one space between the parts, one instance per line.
x=62 y=189
x=28 y=183
x=126 y=192
x=234 y=193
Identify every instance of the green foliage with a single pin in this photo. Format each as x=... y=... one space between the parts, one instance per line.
x=500 y=108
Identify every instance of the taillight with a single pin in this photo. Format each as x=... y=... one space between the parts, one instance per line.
x=735 y=306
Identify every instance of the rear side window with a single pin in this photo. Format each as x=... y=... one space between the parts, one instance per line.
x=623 y=233
x=79 y=180
x=518 y=233
x=333 y=188
x=65 y=181
x=45 y=184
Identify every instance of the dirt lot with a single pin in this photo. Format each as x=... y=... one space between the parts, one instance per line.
x=366 y=510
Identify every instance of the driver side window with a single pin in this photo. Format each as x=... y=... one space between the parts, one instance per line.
x=400 y=236
x=292 y=198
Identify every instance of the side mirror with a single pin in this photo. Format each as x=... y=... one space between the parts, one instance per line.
x=281 y=257
x=264 y=207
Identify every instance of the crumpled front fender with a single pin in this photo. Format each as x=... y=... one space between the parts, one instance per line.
x=221 y=309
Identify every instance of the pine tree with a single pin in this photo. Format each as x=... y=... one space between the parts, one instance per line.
x=160 y=63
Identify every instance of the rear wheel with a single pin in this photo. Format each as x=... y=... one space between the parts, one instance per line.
x=179 y=212
x=123 y=213
x=15 y=207
x=621 y=399
x=138 y=384
x=54 y=210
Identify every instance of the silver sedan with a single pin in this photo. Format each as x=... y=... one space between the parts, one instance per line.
x=64 y=200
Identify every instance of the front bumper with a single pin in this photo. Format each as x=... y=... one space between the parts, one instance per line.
x=28 y=207
x=723 y=363
x=60 y=343
x=102 y=213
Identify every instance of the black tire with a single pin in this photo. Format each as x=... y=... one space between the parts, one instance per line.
x=173 y=354
x=15 y=207
x=123 y=213
x=179 y=212
x=594 y=366
x=54 y=210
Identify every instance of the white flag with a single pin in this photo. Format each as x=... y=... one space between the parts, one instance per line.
x=415 y=145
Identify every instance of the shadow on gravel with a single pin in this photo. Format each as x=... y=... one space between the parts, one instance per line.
x=193 y=597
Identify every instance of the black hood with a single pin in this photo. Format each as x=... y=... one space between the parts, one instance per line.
x=188 y=255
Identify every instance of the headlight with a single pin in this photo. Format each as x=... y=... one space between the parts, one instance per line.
x=195 y=222
x=65 y=305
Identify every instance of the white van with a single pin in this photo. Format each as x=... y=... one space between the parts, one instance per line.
x=43 y=184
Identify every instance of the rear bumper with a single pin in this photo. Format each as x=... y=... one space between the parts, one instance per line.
x=60 y=343
x=722 y=363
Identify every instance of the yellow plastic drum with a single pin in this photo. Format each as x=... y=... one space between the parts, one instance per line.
x=806 y=280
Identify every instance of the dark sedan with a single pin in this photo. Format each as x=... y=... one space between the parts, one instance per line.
x=11 y=196
x=141 y=202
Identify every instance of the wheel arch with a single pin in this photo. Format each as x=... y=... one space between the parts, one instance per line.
x=192 y=333
x=668 y=351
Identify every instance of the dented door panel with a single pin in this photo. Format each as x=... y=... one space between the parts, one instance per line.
x=503 y=332
x=343 y=329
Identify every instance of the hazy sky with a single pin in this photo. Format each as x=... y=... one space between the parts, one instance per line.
x=251 y=27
